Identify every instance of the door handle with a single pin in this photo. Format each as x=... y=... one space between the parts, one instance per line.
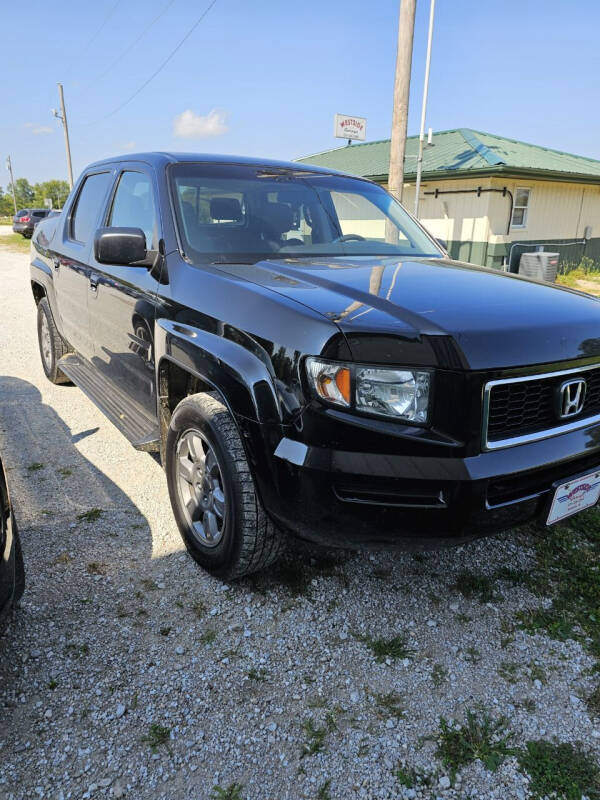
x=94 y=283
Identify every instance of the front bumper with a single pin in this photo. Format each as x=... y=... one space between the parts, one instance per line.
x=352 y=499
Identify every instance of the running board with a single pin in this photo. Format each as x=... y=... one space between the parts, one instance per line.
x=124 y=413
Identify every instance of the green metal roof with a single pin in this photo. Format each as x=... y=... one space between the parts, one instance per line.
x=461 y=153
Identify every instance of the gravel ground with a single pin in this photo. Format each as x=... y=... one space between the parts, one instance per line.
x=128 y=672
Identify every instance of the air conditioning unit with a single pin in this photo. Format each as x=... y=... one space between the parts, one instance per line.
x=542 y=266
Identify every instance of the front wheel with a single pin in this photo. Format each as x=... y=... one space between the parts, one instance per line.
x=216 y=507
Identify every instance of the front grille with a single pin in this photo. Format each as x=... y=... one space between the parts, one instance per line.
x=517 y=408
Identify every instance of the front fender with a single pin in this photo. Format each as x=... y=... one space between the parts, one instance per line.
x=244 y=380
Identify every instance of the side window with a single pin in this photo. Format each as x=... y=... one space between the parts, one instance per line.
x=133 y=206
x=520 y=208
x=84 y=218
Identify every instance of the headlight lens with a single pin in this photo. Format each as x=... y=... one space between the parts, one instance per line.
x=399 y=393
x=393 y=392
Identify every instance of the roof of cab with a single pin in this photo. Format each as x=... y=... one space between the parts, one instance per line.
x=162 y=159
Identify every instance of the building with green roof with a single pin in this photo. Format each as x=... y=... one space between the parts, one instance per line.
x=490 y=198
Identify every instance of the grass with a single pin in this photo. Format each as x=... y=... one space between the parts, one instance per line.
x=208 y=636
x=315 y=739
x=259 y=675
x=563 y=771
x=389 y=705
x=65 y=472
x=232 y=792
x=439 y=675
x=96 y=568
x=479 y=738
x=156 y=736
x=90 y=516
x=593 y=702
x=35 y=466
x=567 y=570
x=474 y=585
x=396 y=647
x=14 y=241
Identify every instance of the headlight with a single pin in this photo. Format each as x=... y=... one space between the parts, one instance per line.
x=399 y=393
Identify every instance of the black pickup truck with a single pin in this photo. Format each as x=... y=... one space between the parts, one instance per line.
x=306 y=358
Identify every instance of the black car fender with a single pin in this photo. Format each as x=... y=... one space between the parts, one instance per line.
x=243 y=380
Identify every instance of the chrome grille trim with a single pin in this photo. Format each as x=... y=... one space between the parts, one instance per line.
x=537 y=435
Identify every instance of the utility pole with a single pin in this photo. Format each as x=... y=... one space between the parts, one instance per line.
x=424 y=109
x=62 y=116
x=406 y=28
x=12 y=181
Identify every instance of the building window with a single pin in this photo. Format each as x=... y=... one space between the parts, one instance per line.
x=520 y=208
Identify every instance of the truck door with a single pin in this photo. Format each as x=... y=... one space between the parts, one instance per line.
x=70 y=258
x=122 y=304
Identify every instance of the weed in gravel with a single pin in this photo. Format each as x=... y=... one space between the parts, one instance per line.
x=96 y=568
x=199 y=608
x=65 y=472
x=232 y=792
x=562 y=770
x=396 y=647
x=157 y=735
x=35 y=466
x=122 y=611
x=259 y=675
x=389 y=705
x=472 y=655
x=77 y=650
x=149 y=584
x=165 y=631
x=410 y=778
x=323 y=793
x=509 y=671
x=52 y=684
x=63 y=558
x=527 y=704
x=439 y=675
x=537 y=673
x=90 y=516
x=593 y=702
x=315 y=739
x=464 y=618
x=474 y=585
x=480 y=737
x=208 y=636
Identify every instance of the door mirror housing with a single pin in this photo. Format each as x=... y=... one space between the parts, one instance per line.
x=123 y=246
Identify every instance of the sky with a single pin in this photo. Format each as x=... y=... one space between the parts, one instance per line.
x=265 y=78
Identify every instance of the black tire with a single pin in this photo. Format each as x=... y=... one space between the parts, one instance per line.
x=19 y=566
x=249 y=541
x=54 y=347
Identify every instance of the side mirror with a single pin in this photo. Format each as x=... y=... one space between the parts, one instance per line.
x=443 y=244
x=122 y=246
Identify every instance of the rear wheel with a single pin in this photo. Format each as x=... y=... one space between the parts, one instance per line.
x=52 y=346
x=216 y=507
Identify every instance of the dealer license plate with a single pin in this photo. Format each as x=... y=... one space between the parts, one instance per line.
x=574 y=496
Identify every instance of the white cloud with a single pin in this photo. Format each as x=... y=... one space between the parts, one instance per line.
x=39 y=130
x=189 y=125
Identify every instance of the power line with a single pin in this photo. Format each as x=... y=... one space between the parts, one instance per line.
x=97 y=32
x=128 y=49
x=159 y=69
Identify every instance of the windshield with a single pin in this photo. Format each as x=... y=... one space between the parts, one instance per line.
x=243 y=214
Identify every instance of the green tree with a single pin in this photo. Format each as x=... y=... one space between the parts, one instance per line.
x=55 y=190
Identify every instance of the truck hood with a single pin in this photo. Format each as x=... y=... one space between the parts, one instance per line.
x=494 y=319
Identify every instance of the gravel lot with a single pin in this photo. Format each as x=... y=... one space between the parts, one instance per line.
x=128 y=672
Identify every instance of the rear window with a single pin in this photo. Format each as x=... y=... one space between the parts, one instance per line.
x=23 y=213
x=89 y=204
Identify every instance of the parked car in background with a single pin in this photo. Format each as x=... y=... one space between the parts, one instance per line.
x=12 y=572
x=24 y=221
x=305 y=357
